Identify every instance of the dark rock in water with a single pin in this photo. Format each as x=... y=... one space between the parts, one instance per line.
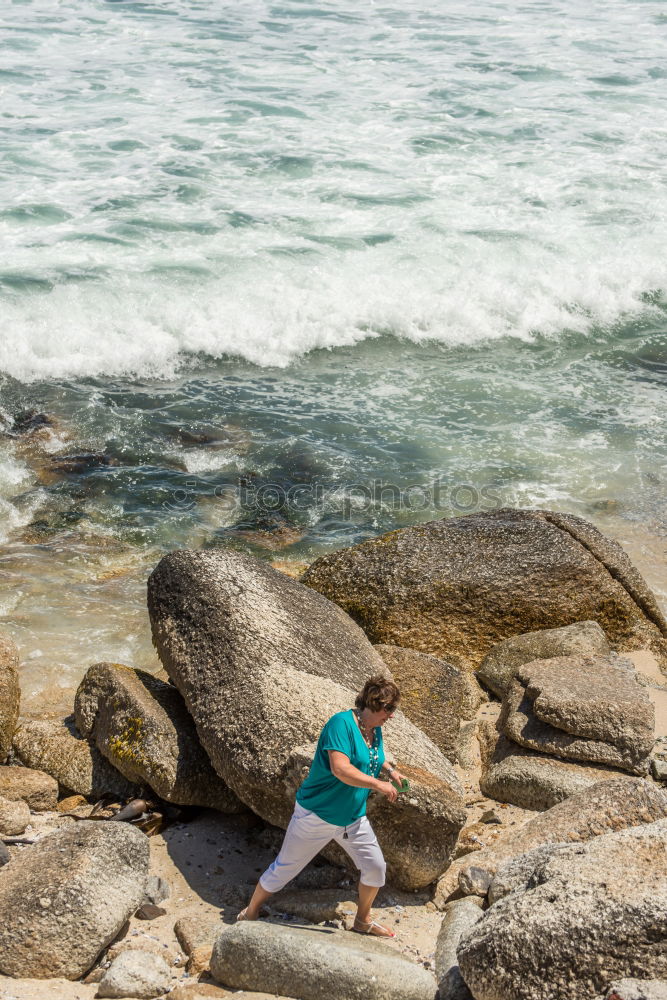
x=142 y=727
x=28 y=421
x=315 y=964
x=501 y=663
x=434 y=694
x=589 y=708
x=458 y=586
x=37 y=789
x=10 y=694
x=78 y=766
x=587 y=914
x=69 y=895
x=460 y=916
x=76 y=464
x=262 y=663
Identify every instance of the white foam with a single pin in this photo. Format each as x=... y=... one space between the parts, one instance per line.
x=203 y=184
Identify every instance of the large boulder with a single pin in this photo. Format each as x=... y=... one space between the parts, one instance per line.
x=608 y=806
x=54 y=746
x=316 y=964
x=67 y=897
x=586 y=915
x=456 y=587
x=588 y=708
x=434 y=694
x=37 y=789
x=638 y=989
x=501 y=663
x=142 y=727
x=10 y=694
x=533 y=780
x=262 y=662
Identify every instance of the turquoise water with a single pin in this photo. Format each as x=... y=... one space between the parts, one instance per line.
x=305 y=272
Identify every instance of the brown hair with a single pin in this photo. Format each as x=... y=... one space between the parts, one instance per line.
x=376 y=692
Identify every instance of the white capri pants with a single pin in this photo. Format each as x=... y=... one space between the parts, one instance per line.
x=307 y=835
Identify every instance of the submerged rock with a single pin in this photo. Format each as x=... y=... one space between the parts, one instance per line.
x=10 y=694
x=457 y=587
x=501 y=663
x=262 y=663
x=587 y=708
x=69 y=895
x=316 y=964
x=54 y=747
x=585 y=915
x=142 y=726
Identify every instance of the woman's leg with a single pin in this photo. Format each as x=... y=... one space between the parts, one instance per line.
x=362 y=846
x=305 y=837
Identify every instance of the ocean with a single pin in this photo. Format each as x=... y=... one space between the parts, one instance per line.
x=288 y=276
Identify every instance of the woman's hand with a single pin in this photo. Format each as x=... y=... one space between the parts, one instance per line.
x=387 y=789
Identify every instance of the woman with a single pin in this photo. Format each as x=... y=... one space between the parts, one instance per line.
x=331 y=803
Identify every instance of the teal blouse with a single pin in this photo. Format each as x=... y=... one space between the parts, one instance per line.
x=322 y=792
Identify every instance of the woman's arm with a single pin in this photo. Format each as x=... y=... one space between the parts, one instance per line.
x=346 y=772
x=393 y=773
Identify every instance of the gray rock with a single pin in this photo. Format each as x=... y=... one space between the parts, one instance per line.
x=533 y=780
x=37 y=789
x=142 y=727
x=53 y=746
x=460 y=916
x=638 y=989
x=262 y=663
x=434 y=694
x=500 y=664
x=589 y=913
x=315 y=963
x=157 y=890
x=659 y=769
x=69 y=896
x=138 y=974
x=474 y=881
x=457 y=587
x=10 y=694
x=607 y=806
x=14 y=816
x=517 y=872
x=4 y=855
x=581 y=708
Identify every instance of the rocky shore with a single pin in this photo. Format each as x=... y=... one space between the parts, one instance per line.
x=528 y=861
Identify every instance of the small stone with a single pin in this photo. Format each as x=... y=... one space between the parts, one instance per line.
x=147 y=911
x=490 y=816
x=474 y=881
x=659 y=769
x=157 y=890
x=14 y=817
x=135 y=974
